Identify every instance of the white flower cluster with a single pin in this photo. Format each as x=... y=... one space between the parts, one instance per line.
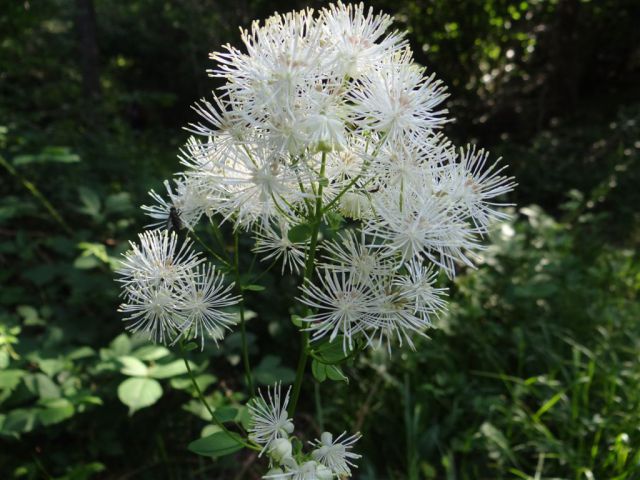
x=271 y=428
x=323 y=121
x=169 y=293
x=327 y=115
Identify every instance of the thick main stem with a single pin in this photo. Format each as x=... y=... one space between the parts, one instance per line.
x=308 y=274
x=243 y=327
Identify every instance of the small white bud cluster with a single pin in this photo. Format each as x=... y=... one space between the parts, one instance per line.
x=272 y=429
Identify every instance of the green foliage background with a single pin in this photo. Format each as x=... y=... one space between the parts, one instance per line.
x=532 y=374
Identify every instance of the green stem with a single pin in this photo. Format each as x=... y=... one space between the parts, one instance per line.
x=38 y=195
x=319 y=410
x=208 y=249
x=308 y=274
x=206 y=404
x=217 y=235
x=243 y=328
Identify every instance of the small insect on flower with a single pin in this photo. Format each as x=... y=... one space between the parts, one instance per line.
x=174 y=222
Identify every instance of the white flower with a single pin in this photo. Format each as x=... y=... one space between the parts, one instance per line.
x=335 y=454
x=356 y=206
x=415 y=223
x=417 y=286
x=399 y=101
x=157 y=261
x=293 y=471
x=283 y=59
x=348 y=163
x=184 y=208
x=331 y=99
x=274 y=242
x=394 y=319
x=323 y=473
x=325 y=122
x=202 y=298
x=344 y=307
x=350 y=254
x=475 y=187
x=153 y=311
x=269 y=419
x=168 y=294
x=254 y=184
x=353 y=36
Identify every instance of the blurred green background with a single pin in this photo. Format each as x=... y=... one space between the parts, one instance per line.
x=533 y=373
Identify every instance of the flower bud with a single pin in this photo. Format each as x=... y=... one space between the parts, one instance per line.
x=280 y=449
x=323 y=473
x=288 y=427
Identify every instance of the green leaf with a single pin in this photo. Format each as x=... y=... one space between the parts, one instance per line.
x=121 y=345
x=42 y=386
x=48 y=155
x=139 y=393
x=331 y=352
x=80 y=353
x=30 y=315
x=297 y=320
x=217 y=445
x=118 y=203
x=190 y=346
x=97 y=250
x=225 y=414
x=133 y=367
x=168 y=370
x=91 y=204
x=4 y=359
x=51 y=366
x=9 y=379
x=210 y=430
x=334 y=372
x=196 y=408
x=150 y=353
x=269 y=371
x=318 y=370
x=300 y=233
x=56 y=410
x=322 y=371
x=184 y=383
x=548 y=405
x=244 y=417
x=335 y=220
x=20 y=420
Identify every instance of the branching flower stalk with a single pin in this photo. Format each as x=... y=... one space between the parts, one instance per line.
x=310 y=265
x=243 y=328
x=325 y=145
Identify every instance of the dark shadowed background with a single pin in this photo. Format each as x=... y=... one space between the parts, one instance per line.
x=533 y=374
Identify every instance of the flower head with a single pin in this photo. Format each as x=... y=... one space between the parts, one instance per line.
x=344 y=307
x=334 y=453
x=269 y=419
x=169 y=294
x=157 y=261
x=202 y=300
